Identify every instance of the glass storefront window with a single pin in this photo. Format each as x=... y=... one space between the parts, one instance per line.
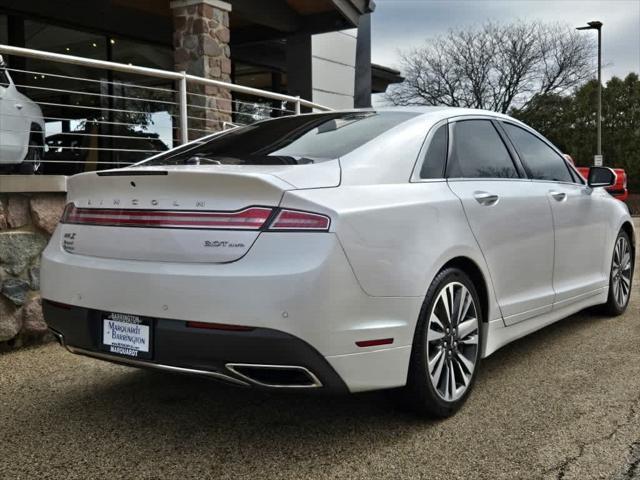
x=94 y=117
x=4 y=34
x=141 y=54
x=52 y=38
x=68 y=95
x=151 y=95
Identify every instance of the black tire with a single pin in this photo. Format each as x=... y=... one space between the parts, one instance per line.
x=420 y=394
x=32 y=161
x=615 y=306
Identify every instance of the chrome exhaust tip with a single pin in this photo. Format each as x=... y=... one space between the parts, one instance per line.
x=275 y=376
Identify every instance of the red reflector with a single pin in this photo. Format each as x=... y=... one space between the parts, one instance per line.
x=296 y=220
x=252 y=218
x=374 y=343
x=219 y=326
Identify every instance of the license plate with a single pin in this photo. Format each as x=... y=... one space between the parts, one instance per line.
x=128 y=335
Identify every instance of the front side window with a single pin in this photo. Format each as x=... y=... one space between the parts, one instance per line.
x=294 y=140
x=478 y=152
x=540 y=160
x=435 y=157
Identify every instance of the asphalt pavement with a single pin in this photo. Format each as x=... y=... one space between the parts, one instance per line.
x=563 y=403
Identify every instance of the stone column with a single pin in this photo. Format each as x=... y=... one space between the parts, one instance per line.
x=201 y=47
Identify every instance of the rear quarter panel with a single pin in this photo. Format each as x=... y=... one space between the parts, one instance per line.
x=397 y=236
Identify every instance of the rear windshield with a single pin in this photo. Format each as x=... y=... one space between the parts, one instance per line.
x=293 y=140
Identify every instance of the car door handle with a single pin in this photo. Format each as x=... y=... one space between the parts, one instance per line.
x=19 y=106
x=485 y=198
x=559 y=196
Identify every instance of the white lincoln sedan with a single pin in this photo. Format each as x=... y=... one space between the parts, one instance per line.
x=343 y=251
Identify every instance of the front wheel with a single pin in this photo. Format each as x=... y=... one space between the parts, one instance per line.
x=621 y=276
x=446 y=350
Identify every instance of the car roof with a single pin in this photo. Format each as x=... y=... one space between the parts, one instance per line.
x=435 y=113
x=442 y=111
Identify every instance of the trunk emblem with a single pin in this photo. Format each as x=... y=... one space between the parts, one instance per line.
x=222 y=243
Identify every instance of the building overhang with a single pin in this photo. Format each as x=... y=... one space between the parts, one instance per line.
x=354 y=9
x=150 y=20
x=260 y=20
x=382 y=77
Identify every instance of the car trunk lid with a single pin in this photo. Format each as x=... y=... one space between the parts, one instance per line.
x=203 y=214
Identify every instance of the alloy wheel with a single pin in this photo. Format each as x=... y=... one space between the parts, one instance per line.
x=621 y=271
x=452 y=341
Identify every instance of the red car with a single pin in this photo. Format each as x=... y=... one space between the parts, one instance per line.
x=619 y=190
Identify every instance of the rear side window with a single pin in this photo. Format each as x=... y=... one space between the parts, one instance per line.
x=540 y=160
x=478 y=152
x=435 y=157
x=293 y=140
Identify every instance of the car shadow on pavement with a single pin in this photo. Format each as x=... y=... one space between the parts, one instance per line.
x=162 y=419
x=205 y=417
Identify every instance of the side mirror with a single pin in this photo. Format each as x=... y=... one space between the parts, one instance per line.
x=601 y=177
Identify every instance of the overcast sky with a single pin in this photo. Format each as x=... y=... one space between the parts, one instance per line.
x=404 y=24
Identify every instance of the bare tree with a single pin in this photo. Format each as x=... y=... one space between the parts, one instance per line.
x=494 y=67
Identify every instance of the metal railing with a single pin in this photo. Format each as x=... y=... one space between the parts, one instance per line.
x=103 y=121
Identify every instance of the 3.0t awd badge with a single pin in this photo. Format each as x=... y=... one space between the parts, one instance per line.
x=222 y=244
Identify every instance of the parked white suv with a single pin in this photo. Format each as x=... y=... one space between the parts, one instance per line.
x=21 y=128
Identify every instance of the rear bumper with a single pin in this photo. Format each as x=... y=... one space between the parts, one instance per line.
x=210 y=353
x=288 y=286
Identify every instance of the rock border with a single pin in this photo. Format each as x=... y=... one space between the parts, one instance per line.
x=26 y=224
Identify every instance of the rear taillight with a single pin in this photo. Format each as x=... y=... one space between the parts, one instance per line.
x=252 y=218
x=249 y=219
x=297 y=220
x=69 y=207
